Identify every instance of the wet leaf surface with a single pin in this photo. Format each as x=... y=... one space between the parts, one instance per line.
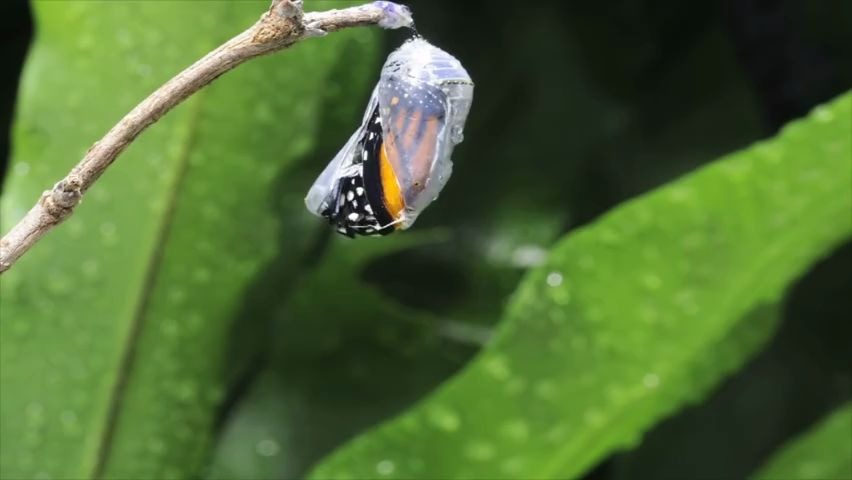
x=631 y=318
x=116 y=330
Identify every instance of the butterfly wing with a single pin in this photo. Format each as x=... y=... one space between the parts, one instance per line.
x=413 y=121
x=424 y=96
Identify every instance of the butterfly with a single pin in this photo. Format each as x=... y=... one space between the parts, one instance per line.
x=398 y=160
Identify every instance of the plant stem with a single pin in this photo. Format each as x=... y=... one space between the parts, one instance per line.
x=280 y=27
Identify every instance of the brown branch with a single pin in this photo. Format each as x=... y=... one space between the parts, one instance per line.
x=281 y=26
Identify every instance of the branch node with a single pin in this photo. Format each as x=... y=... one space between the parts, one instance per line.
x=291 y=9
x=68 y=191
x=274 y=30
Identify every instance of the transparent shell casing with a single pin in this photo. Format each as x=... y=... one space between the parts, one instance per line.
x=424 y=96
x=318 y=197
x=422 y=83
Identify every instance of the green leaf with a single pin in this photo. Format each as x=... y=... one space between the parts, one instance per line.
x=116 y=330
x=825 y=452
x=631 y=317
x=336 y=367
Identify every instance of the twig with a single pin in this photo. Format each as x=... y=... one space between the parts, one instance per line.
x=281 y=26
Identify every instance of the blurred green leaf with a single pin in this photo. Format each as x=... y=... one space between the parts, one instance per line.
x=631 y=318
x=343 y=356
x=825 y=452
x=116 y=330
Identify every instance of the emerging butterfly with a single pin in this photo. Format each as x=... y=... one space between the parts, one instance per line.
x=398 y=160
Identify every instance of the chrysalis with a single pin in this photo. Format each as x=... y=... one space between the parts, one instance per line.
x=398 y=160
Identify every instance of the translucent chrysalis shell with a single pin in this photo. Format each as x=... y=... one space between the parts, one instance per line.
x=398 y=161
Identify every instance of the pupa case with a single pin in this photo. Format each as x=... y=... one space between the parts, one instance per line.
x=398 y=160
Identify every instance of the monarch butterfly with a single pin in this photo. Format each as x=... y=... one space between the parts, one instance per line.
x=398 y=160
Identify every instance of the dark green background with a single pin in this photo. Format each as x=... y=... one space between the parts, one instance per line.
x=579 y=106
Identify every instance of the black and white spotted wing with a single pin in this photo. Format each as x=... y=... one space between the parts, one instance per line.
x=355 y=204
